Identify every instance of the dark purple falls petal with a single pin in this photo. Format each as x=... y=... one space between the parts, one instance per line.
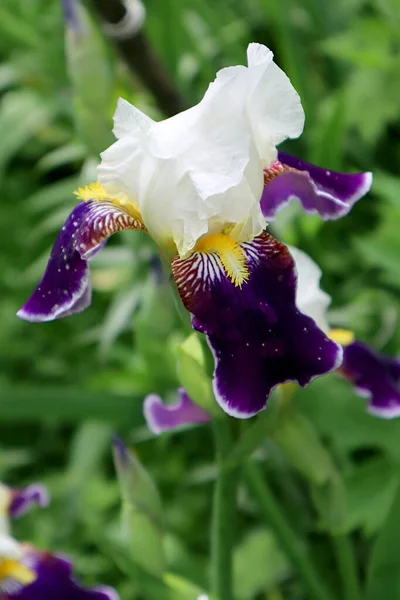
x=54 y=581
x=66 y=288
x=257 y=334
x=23 y=500
x=327 y=193
x=162 y=417
x=374 y=376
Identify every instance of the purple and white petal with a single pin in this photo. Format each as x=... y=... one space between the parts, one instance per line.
x=162 y=417
x=327 y=193
x=22 y=500
x=374 y=376
x=258 y=336
x=66 y=288
x=54 y=581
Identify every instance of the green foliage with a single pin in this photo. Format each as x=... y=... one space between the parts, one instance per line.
x=65 y=386
x=142 y=516
x=383 y=573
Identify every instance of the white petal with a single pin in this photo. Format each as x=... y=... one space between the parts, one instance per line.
x=310 y=299
x=202 y=170
x=129 y=119
x=9 y=548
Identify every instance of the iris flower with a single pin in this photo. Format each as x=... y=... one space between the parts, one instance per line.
x=27 y=573
x=162 y=417
x=374 y=376
x=202 y=184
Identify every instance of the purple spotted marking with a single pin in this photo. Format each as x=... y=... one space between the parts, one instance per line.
x=54 y=581
x=375 y=376
x=23 y=500
x=327 y=193
x=258 y=336
x=162 y=417
x=66 y=288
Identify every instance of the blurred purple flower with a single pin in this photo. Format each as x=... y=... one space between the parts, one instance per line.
x=162 y=417
x=22 y=500
x=374 y=376
x=71 y=14
x=27 y=573
x=52 y=580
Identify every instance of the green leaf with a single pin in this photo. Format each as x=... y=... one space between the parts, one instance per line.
x=259 y=564
x=255 y=432
x=38 y=403
x=370 y=491
x=89 y=445
x=22 y=115
x=331 y=401
x=118 y=318
x=383 y=577
x=193 y=376
x=142 y=515
x=91 y=77
x=298 y=439
x=301 y=444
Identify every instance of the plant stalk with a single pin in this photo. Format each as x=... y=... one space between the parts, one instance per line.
x=347 y=566
x=275 y=519
x=223 y=515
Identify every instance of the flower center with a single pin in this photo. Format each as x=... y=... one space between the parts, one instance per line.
x=231 y=255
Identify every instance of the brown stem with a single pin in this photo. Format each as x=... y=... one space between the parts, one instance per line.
x=142 y=60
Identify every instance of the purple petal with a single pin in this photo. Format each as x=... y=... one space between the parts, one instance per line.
x=71 y=14
x=163 y=417
x=121 y=452
x=327 y=193
x=375 y=376
x=54 y=581
x=22 y=500
x=257 y=334
x=66 y=288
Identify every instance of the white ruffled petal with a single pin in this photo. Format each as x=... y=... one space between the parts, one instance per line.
x=129 y=120
x=274 y=108
x=202 y=170
x=310 y=299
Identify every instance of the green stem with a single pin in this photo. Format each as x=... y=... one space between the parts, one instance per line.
x=223 y=515
x=289 y=541
x=347 y=567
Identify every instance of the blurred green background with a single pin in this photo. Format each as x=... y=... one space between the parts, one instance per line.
x=66 y=386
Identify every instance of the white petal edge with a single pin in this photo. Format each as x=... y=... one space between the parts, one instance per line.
x=310 y=298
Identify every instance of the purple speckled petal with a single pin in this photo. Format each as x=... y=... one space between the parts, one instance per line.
x=65 y=288
x=163 y=417
x=54 y=581
x=327 y=193
x=22 y=500
x=374 y=376
x=257 y=334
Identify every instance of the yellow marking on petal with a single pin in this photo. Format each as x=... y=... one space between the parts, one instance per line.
x=96 y=192
x=344 y=337
x=231 y=255
x=12 y=569
x=93 y=191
